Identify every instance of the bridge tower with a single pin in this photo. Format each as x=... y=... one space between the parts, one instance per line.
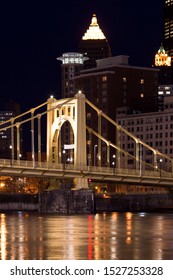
x=58 y=112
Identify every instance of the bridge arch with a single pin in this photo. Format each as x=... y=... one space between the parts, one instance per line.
x=60 y=153
x=72 y=111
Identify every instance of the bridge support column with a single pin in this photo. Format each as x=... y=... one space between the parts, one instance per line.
x=81 y=183
x=80 y=158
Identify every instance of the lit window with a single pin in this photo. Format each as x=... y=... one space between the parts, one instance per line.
x=104 y=78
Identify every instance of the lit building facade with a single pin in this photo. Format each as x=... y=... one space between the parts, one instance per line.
x=162 y=58
x=163 y=91
x=155 y=129
x=94 y=44
x=163 y=63
x=168 y=27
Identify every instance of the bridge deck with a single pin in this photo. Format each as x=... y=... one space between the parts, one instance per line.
x=103 y=174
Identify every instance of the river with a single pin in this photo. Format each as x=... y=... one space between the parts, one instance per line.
x=104 y=236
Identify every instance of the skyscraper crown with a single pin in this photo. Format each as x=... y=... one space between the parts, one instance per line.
x=162 y=58
x=94 y=32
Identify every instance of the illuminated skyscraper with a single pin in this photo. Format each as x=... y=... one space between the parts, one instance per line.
x=163 y=62
x=72 y=63
x=168 y=27
x=94 y=44
x=162 y=58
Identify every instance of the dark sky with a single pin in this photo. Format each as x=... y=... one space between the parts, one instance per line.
x=34 y=33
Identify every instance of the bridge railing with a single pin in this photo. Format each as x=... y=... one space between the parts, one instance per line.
x=84 y=169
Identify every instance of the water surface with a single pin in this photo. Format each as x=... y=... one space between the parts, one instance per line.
x=106 y=236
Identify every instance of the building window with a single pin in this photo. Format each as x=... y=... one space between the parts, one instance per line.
x=104 y=93
x=104 y=78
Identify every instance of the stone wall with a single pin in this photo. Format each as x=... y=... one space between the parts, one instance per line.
x=12 y=206
x=18 y=202
x=135 y=202
x=84 y=201
x=67 y=201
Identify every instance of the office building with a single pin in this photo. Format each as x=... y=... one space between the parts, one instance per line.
x=154 y=128
x=163 y=63
x=168 y=27
x=114 y=83
x=94 y=44
x=11 y=109
x=72 y=64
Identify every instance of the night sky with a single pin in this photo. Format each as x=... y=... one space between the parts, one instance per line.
x=34 y=33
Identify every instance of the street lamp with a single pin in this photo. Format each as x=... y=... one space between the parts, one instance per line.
x=113 y=164
x=160 y=166
x=11 y=152
x=95 y=155
x=64 y=158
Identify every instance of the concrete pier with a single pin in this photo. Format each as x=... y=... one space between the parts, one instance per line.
x=64 y=201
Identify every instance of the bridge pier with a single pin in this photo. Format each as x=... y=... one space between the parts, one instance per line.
x=81 y=183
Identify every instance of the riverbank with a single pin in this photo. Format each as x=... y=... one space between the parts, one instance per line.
x=134 y=202
x=84 y=201
x=19 y=202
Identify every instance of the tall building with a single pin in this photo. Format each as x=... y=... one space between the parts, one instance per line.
x=168 y=27
x=162 y=58
x=94 y=44
x=72 y=63
x=11 y=109
x=115 y=83
x=163 y=63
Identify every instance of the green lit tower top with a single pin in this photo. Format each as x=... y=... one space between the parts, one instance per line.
x=168 y=27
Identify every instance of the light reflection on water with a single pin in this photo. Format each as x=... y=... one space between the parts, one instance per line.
x=109 y=236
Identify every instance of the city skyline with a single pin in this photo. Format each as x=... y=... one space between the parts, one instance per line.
x=34 y=36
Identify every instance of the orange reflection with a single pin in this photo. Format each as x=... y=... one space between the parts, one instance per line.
x=3 y=232
x=129 y=227
x=90 y=243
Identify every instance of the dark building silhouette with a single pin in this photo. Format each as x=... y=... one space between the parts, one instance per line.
x=11 y=109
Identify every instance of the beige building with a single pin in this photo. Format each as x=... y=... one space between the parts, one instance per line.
x=155 y=129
